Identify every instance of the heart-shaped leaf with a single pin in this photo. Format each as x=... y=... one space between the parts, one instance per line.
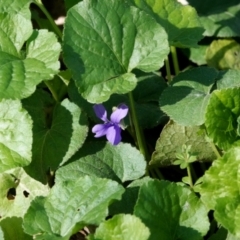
x=185 y=101
x=70 y=206
x=21 y=71
x=120 y=227
x=120 y=163
x=146 y=96
x=219 y=17
x=59 y=130
x=171 y=211
x=222 y=113
x=104 y=41
x=172 y=138
x=180 y=22
x=224 y=54
x=15 y=135
x=17 y=190
x=220 y=190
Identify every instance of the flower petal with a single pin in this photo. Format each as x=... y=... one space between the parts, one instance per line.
x=100 y=130
x=114 y=134
x=119 y=114
x=100 y=111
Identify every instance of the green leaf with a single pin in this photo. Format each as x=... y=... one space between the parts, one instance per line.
x=221 y=117
x=146 y=96
x=129 y=198
x=180 y=22
x=196 y=55
x=70 y=206
x=104 y=41
x=221 y=234
x=228 y=79
x=173 y=136
x=17 y=190
x=15 y=25
x=120 y=227
x=59 y=130
x=224 y=54
x=70 y=3
x=12 y=229
x=219 y=18
x=120 y=163
x=220 y=190
x=15 y=135
x=185 y=101
x=20 y=71
x=171 y=211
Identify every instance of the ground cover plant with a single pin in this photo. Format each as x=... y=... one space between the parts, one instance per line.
x=121 y=123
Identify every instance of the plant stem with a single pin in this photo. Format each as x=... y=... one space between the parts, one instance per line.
x=138 y=131
x=52 y=90
x=50 y=19
x=215 y=150
x=190 y=176
x=158 y=173
x=175 y=60
x=167 y=65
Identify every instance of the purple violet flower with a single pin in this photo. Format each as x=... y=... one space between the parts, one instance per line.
x=112 y=129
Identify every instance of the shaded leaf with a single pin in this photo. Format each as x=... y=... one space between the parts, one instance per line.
x=171 y=211
x=12 y=229
x=173 y=137
x=185 y=101
x=129 y=198
x=219 y=17
x=180 y=22
x=59 y=130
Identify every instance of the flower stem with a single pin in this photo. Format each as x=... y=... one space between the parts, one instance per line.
x=52 y=90
x=167 y=65
x=159 y=174
x=138 y=131
x=189 y=175
x=175 y=60
x=215 y=149
x=50 y=19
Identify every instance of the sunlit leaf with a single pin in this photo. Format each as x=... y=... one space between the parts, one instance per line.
x=104 y=41
x=15 y=135
x=224 y=54
x=222 y=113
x=120 y=227
x=70 y=206
x=220 y=190
x=17 y=190
x=120 y=163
